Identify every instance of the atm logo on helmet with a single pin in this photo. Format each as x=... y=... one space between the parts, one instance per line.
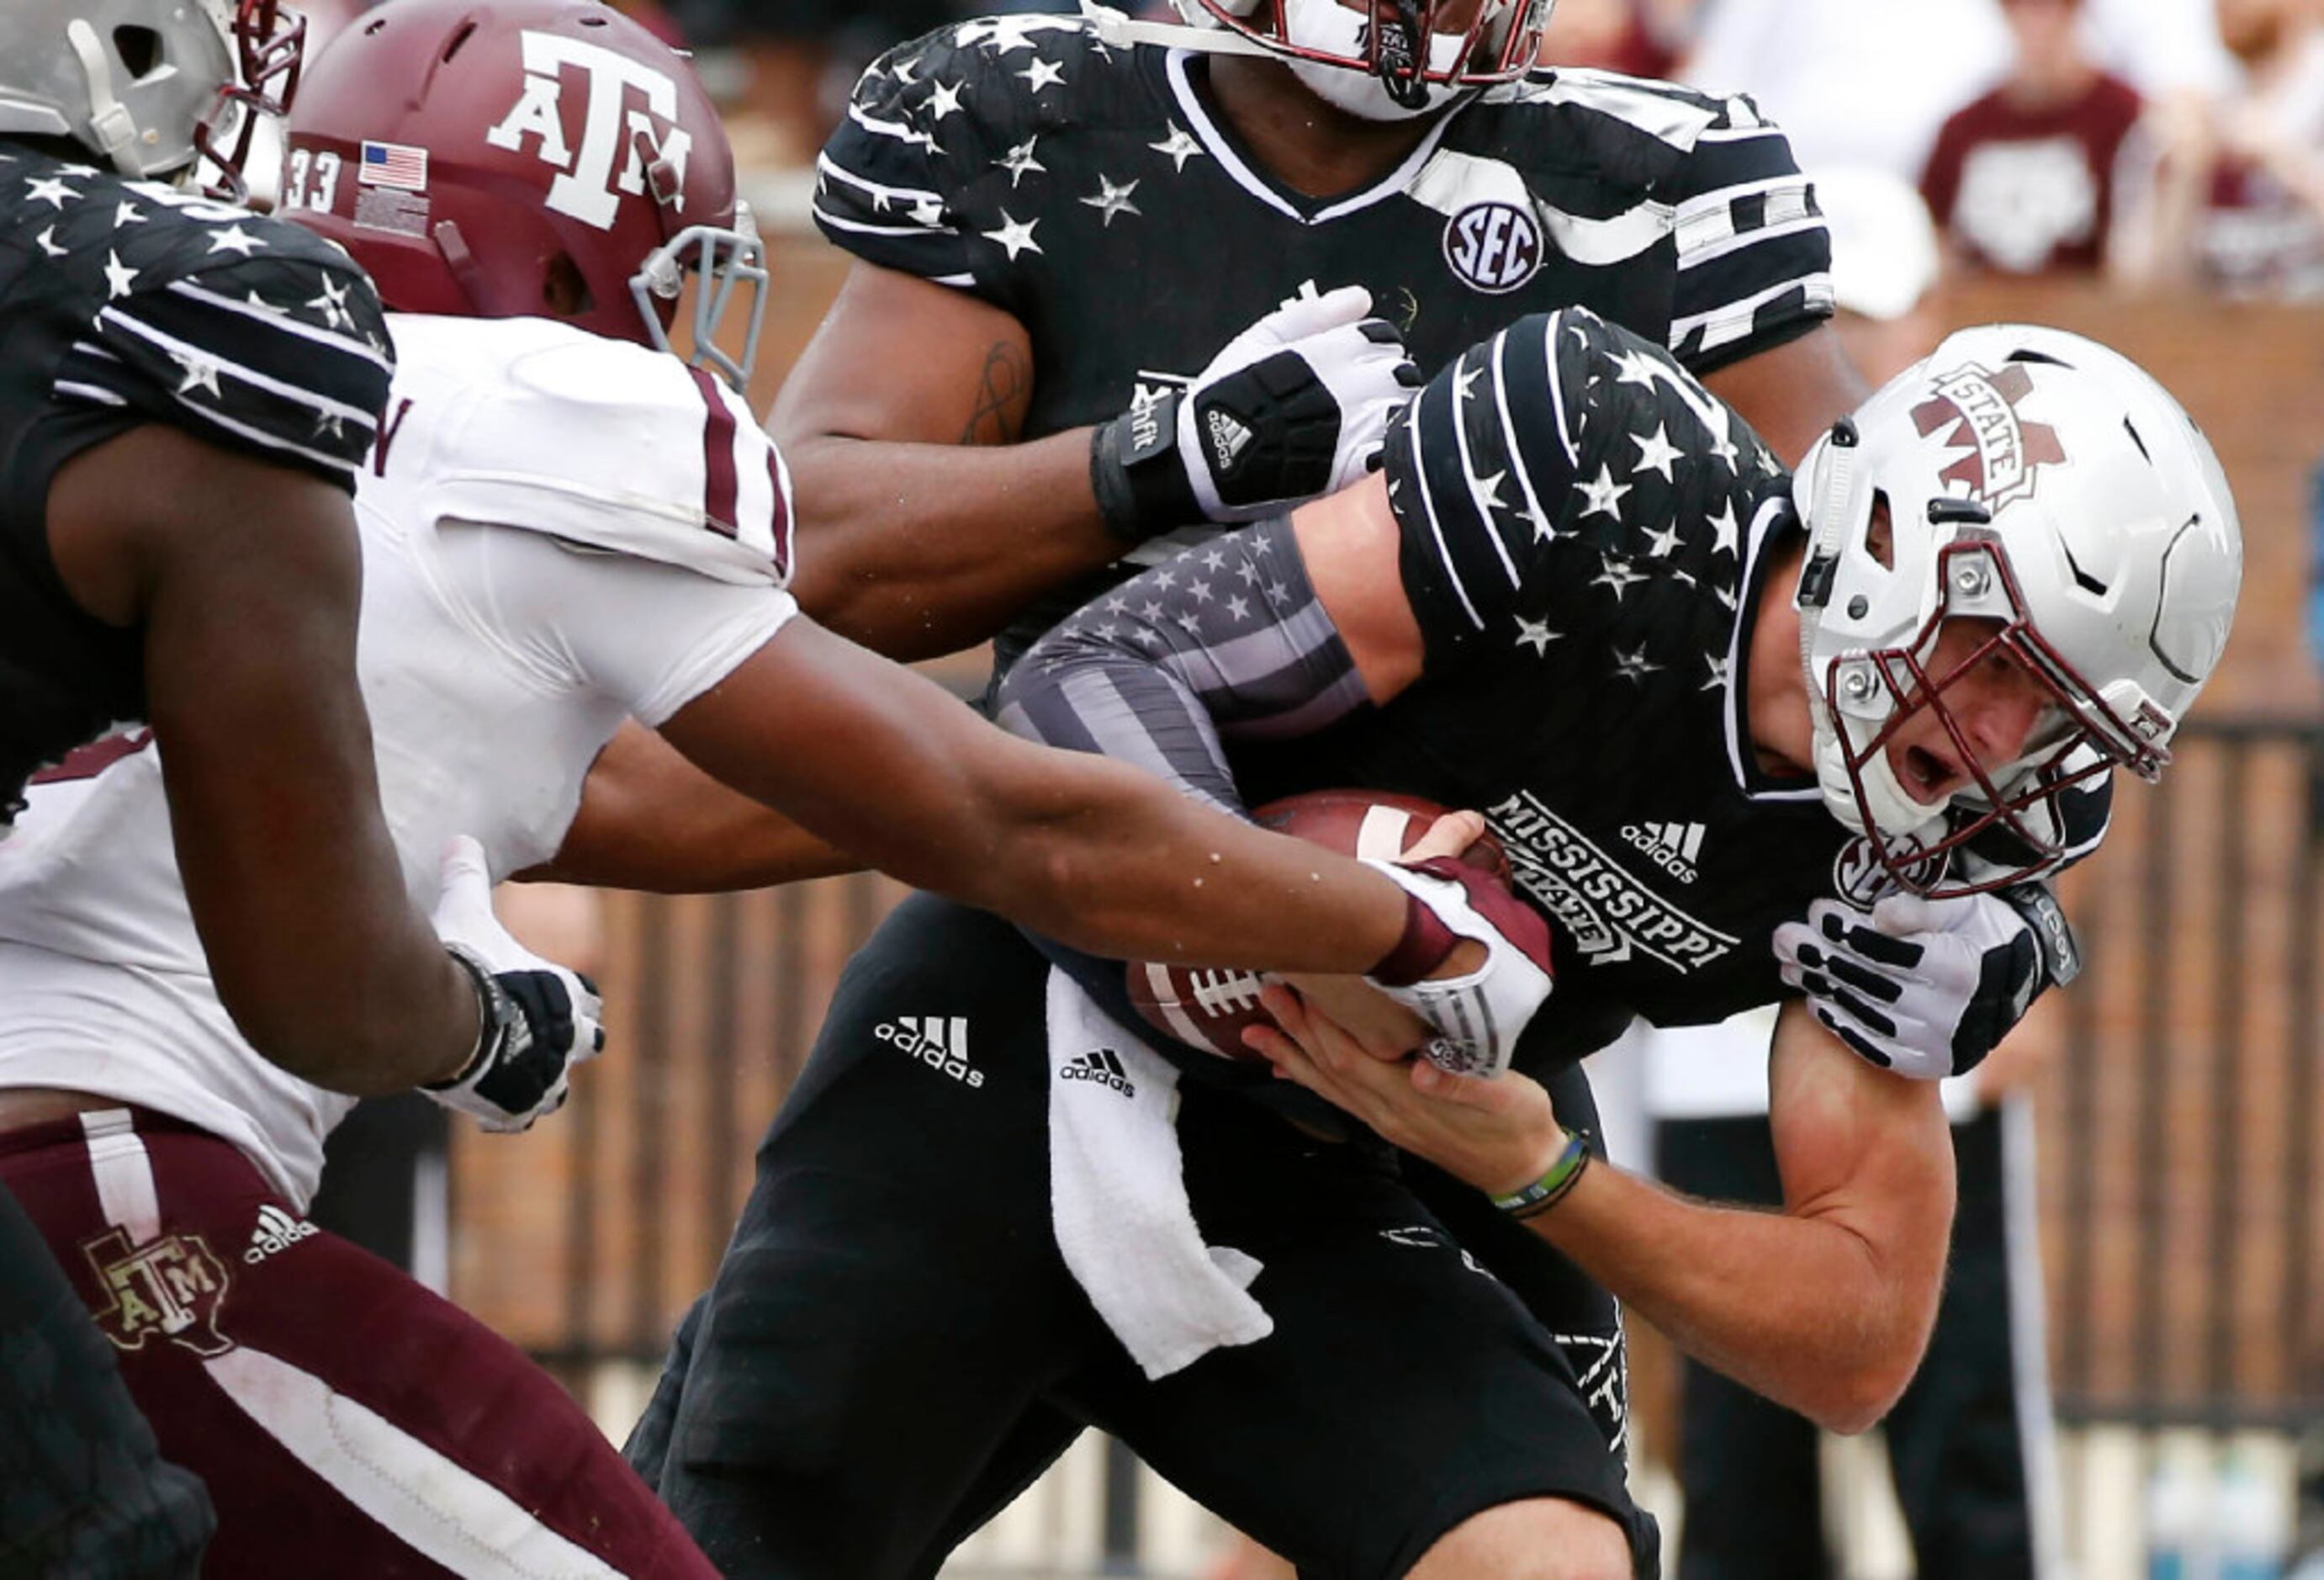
x=1978 y=411
x=589 y=188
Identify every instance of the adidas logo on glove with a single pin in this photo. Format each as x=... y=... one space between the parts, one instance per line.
x=1229 y=437
x=1103 y=1067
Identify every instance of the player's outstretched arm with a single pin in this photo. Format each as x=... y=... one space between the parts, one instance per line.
x=928 y=524
x=246 y=577
x=1824 y=1308
x=650 y=820
x=881 y=762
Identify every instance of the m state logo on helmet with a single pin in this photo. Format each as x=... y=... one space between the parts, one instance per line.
x=502 y=158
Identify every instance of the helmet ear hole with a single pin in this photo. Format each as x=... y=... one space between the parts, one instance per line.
x=1880 y=533
x=139 y=48
x=565 y=290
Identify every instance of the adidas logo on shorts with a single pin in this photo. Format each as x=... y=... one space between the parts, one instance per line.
x=277 y=1231
x=1103 y=1067
x=1671 y=846
x=937 y=1041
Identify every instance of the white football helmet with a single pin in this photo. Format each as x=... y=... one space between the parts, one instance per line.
x=1363 y=58
x=2036 y=479
x=149 y=85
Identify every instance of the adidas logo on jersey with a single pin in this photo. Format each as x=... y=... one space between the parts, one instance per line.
x=277 y=1231
x=937 y=1041
x=1104 y=1067
x=1229 y=437
x=1671 y=846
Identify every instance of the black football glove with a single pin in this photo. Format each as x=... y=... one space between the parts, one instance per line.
x=1295 y=406
x=1928 y=987
x=539 y=1019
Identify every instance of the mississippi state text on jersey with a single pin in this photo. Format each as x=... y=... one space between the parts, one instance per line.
x=125 y=302
x=1095 y=194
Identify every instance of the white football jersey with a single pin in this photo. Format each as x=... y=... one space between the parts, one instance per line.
x=558 y=531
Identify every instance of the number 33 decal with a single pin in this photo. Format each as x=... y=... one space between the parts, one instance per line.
x=324 y=169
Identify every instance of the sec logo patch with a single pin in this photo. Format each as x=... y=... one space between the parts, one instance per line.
x=1493 y=247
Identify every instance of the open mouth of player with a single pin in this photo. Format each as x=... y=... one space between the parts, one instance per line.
x=1926 y=777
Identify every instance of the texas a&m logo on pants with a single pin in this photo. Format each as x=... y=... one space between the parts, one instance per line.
x=172 y=1285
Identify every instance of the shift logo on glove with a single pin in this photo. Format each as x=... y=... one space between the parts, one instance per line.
x=1295 y=406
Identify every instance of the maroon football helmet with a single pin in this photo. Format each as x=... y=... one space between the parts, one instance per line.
x=506 y=158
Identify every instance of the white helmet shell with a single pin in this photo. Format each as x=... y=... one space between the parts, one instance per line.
x=2032 y=478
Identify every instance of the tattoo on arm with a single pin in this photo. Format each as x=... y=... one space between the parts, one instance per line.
x=1004 y=386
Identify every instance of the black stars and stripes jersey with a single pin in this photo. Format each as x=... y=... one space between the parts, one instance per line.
x=126 y=302
x=1585 y=533
x=1094 y=193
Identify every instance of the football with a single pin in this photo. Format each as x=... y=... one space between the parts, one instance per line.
x=1208 y=1009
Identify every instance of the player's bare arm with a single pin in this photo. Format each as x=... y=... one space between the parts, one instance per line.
x=1090 y=851
x=651 y=820
x=1794 y=393
x=1824 y=1308
x=927 y=524
x=246 y=578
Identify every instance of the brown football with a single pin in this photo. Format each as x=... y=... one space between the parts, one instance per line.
x=1207 y=1008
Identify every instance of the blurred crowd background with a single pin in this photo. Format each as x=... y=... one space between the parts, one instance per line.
x=2150 y=171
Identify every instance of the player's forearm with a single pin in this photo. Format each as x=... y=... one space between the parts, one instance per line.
x=1107 y=860
x=1802 y=1309
x=314 y=944
x=651 y=820
x=919 y=549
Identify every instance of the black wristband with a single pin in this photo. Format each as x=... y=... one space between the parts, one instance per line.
x=1136 y=474
x=494 y=1011
x=2062 y=956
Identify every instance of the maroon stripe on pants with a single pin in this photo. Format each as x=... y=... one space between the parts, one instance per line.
x=717 y=456
x=365 y=1329
x=782 y=516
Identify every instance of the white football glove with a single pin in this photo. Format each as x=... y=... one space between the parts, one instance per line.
x=1295 y=406
x=1477 y=1017
x=539 y=1018
x=1928 y=987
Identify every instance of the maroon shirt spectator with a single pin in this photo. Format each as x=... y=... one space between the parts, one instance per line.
x=2022 y=180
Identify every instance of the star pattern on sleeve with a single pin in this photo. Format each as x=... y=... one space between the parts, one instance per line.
x=1017 y=236
x=1043 y=74
x=118 y=276
x=1633 y=666
x=1618 y=574
x=235 y=240
x=1536 y=635
x=1657 y=453
x=1111 y=198
x=1180 y=146
x=50 y=190
x=1019 y=162
x=1716 y=662
x=1603 y=497
x=943 y=100
x=333 y=304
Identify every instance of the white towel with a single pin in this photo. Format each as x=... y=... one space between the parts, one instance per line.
x=1117 y=1196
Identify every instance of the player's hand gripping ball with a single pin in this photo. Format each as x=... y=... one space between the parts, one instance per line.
x=1209 y=1009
